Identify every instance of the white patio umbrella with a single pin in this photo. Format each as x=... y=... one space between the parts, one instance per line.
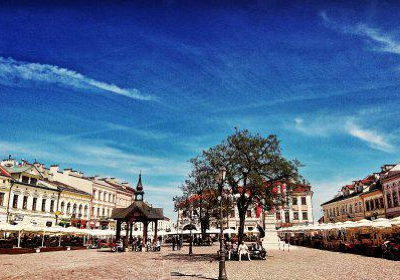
x=348 y=224
x=381 y=223
x=230 y=231
x=395 y=221
x=213 y=231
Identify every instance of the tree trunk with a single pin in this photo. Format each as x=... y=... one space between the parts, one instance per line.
x=204 y=226
x=242 y=219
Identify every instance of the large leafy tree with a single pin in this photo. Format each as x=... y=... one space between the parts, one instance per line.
x=199 y=195
x=254 y=166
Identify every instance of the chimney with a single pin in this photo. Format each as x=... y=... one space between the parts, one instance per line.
x=54 y=169
x=67 y=171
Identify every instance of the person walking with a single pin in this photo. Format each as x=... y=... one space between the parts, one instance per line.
x=173 y=243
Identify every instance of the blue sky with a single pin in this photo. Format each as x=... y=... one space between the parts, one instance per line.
x=111 y=89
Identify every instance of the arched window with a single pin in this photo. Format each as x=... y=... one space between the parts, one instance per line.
x=86 y=211
x=80 y=209
x=62 y=206
x=74 y=209
x=68 y=208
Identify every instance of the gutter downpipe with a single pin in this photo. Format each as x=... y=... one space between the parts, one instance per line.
x=8 y=200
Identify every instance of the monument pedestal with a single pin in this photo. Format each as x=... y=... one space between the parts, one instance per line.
x=271 y=240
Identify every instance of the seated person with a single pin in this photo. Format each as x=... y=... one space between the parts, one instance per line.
x=158 y=246
x=228 y=248
x=243 y=250
x=258 y=247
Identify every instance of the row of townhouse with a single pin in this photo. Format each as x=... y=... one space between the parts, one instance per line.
x=32 y=193
x=297 y=209
x=375 y=196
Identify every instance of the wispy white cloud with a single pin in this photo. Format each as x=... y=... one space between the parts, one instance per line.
x=320 y=126
x=373 y=138
x=21 y=73
x=382 y=41
x=324 y=126
x=325 y=190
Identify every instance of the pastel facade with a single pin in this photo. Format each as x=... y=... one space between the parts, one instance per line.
x=5 y=184
x=30 y=201
x=298 y=207
x=391 y=191
x=297 y=210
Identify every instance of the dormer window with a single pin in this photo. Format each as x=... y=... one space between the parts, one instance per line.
x=33 y=181
x=25 y=179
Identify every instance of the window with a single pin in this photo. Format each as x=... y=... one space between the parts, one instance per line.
x=1 y=199
x=287 y=217
x=98 y=212
x=376 y=201
x=355 y=207
x=303 y=201
x=15 y=201
x=33 y=181
x=43 y=205
x=62 y=207
x=381 y=205
x=351 y=209
x=305 y=216
x=395 y=199
x=295 y=216
x=389 y=200
x=278 y=215
x=52 y=206
x=109 y=197
x=34 y=203
x=25 y=202
x=248 y=213
x=68 y=208
x=104 y=212
x=294 y=200
x=25 y=179
x=233 y=214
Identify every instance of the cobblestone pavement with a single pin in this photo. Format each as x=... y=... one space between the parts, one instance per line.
x=302 y=263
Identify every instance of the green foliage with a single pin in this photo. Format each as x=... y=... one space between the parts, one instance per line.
x=254 y=166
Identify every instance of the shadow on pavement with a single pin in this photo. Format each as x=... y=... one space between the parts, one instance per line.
x=193 y=258
x=191 y=275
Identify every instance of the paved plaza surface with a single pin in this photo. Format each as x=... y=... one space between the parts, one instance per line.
x=302 y=263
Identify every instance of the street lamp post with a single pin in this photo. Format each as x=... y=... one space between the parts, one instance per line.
x=220 y=180
x=191 y=238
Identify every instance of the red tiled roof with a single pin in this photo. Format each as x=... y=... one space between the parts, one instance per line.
x=4 y=172
x=121 y=188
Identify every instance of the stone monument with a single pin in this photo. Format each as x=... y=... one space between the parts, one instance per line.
x=271 y=240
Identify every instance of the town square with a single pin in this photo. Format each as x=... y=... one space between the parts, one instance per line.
x=199 y=140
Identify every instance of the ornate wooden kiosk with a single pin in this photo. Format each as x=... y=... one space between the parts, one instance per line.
x=138 y=211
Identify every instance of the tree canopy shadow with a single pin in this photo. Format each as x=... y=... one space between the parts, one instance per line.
x=192 y=258
x=178 y=274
